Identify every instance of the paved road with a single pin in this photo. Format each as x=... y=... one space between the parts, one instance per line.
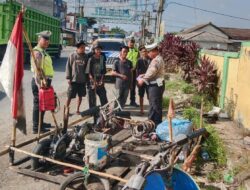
x=60 y=86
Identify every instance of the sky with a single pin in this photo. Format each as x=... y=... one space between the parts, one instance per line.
x=177 y=16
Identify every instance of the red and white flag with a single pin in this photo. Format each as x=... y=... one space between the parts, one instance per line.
x=11 y=73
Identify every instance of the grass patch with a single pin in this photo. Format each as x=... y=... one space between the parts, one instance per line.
x=215 y=176
x=188 y=88
x=181 y=85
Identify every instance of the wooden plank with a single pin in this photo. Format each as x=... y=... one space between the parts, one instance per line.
x=117 y=171
x=120 y=136
x=7 y=149
x=38 y=175
x=143 y=156
x=127 y=177
x=102 y=174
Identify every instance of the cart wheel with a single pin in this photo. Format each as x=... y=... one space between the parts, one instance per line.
x=76 y=181
x=42 y=148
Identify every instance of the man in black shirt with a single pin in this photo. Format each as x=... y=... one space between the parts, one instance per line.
x=96 y=69
x=141 y=68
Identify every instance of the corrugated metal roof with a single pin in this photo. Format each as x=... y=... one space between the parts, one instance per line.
x=204 y=37
x=237 y=33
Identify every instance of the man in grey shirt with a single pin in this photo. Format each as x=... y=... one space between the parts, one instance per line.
x=75 y=74
x=122 y=69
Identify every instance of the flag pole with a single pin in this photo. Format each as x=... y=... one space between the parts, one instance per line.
x=39 y=72
x=170 y=116
x=13 y=136
x=34 y=64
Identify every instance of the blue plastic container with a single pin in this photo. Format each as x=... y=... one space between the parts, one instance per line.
x=180 y=180
x=180 y=126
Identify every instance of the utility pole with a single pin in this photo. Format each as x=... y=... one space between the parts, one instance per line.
x=143 y=31
x=144 y=23
x=159 y=18
x=81 y=16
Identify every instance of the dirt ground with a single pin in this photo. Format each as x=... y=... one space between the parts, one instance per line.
x=233 y=136
x=10 y=180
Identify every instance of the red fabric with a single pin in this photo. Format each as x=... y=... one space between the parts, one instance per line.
x=17 y=40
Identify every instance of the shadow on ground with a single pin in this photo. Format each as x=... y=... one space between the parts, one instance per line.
x=2 y=95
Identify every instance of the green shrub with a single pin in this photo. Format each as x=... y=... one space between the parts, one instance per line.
x=188 y=88
x=215 y=176
x=190 y=113
x=196 y=101
x=173 y=85
x=165 y=102
x=213 y=143
x=214 y=146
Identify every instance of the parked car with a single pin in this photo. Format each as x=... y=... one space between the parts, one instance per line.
x=111 y=48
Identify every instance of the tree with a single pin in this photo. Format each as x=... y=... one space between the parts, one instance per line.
x=117 y=30
x=91 y=22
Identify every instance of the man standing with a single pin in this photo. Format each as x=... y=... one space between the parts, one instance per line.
x=141 y=68
x=75 y=74
x=96 y=69
x=122 y=71
x=133 y=56
x=43 y=62
x=154 y=78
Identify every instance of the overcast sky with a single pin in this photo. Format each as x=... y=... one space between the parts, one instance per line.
x=178 y=16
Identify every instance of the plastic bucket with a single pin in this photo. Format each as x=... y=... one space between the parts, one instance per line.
x=179 y=180
x=96 y=150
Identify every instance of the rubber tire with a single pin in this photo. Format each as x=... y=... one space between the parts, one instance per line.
x=80 y=176
x=42 y=148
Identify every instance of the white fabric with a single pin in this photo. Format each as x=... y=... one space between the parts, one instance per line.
x=7 y=69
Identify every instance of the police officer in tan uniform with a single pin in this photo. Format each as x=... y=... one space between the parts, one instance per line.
x=154 y=78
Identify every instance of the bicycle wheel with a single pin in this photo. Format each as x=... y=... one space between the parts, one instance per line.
x=76 y=182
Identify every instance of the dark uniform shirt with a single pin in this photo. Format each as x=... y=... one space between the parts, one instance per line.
x=142 y=66
x=123 y=68
x=96 y=67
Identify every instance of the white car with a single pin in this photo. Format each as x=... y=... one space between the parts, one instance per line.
x=111 y=48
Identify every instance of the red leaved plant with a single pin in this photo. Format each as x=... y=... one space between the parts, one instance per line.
x=177 y=53
x=205 y=77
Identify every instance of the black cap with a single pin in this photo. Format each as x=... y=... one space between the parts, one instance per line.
x=79 y=43
x=141 y=47
x=132 y=40
x=97 y=46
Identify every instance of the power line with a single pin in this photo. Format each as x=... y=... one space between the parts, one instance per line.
x=115 y=6
x=205 y=10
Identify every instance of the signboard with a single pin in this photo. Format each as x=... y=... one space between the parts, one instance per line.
x=82 y=21
x=70 y=22
x=111 y=9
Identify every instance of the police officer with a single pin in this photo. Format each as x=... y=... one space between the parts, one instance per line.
x=133 y=55
x=154 y=78
x=44 y=62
